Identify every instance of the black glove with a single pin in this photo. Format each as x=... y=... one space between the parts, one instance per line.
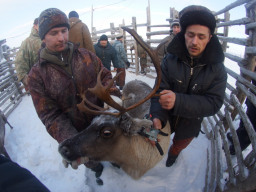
x=127 y=64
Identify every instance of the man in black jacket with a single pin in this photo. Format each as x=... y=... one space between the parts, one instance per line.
x=193 y=79
x=106 y=52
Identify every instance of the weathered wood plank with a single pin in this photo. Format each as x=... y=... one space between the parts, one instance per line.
x=239 y=41
x=241 y=79
x=233 y=57
x=242 y=21
x=158 y=33
x=231 y=6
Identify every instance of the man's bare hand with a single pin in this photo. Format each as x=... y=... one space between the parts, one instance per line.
x=167 y=99
x=157 y=123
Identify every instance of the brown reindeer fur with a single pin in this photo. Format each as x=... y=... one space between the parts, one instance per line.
x=143 y=155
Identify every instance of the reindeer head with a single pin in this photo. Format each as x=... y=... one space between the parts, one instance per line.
x=99 y=140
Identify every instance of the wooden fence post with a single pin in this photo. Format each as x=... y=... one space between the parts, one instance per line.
x=148 y=23
x=134 y=25
x=225 y=31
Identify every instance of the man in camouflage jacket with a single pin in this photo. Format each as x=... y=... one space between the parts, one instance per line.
x=61 y=75
x=27 y=55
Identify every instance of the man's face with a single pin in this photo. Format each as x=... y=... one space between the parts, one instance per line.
x=196 y=39
x=175 y=29
x=103 y=43
x=56 y=39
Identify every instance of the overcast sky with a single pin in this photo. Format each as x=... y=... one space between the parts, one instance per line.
x=17 y=16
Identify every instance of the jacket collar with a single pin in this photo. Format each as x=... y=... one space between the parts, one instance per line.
x=63 y=59
x=73 y=21
x=212 y=54
x=34 y=32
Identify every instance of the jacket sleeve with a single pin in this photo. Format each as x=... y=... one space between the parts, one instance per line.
x=22 y=62
x=206 y=104
x=155 y=109
x=56 y=122
x=114 y=58
x=123 y=53
x=87 y=39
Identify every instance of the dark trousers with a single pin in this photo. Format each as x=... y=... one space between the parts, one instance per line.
x=241 y=131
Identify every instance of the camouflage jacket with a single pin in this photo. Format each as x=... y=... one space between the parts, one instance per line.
x=27 y=55
x=79 y=33
x=55 y=86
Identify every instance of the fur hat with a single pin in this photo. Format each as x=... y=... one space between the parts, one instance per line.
x=120 y=36
x=51 y=18
x=103 y=38
x=175 y=22
x=196 y=14
x=73 y=14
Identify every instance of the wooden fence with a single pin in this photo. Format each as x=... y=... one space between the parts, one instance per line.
x=241 y=172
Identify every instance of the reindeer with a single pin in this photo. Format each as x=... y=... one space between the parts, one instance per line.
x=114 y=134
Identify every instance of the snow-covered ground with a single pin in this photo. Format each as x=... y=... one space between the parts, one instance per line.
x=29 y=144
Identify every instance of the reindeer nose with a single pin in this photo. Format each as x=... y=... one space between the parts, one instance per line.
x=64 y=151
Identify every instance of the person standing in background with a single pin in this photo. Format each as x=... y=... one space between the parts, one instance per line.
x=142 y=54
x=175 y=29
x=27 y=55
x=122 y=60
x=106 y=52
x=79 y=32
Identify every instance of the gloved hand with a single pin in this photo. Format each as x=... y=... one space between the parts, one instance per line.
x=76 y=163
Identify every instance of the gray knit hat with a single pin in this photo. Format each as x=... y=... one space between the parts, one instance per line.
x=196 y=14
x=51 y=18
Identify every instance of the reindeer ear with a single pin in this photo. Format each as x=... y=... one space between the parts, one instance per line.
x=132 y=126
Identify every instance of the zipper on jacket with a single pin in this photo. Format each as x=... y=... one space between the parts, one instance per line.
x=191 y=69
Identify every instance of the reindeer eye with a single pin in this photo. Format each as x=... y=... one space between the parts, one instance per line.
x=106 y=133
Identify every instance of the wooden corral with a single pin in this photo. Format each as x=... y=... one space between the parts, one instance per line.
x=241 y=169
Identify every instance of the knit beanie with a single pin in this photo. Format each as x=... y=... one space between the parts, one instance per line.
x=51 y=18
x=175 y=22
x=196 y=14
x=73 y=14
x=103 y=38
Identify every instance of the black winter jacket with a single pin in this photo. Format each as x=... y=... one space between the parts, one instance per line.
x=106 y=55
x=199 y=85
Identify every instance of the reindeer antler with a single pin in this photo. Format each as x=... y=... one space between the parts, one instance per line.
x=103 y=92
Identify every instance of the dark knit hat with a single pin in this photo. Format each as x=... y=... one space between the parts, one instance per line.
x=103 y=38
x=196 y=14
x=51 y=18
x=73 y=14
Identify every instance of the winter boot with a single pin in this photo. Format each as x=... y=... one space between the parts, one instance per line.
x=171 y=160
